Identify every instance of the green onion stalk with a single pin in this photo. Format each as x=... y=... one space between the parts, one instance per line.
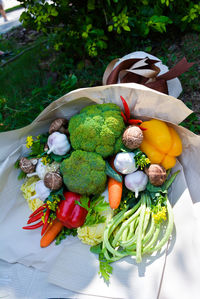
x=136 y=231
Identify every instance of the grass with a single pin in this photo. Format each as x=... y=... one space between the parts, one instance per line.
x=40 y=75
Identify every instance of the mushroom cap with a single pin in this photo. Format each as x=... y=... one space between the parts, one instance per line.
x=53 y=180
x=57 y=125
x=26 y=165
x=157 y=174
x=132 y=137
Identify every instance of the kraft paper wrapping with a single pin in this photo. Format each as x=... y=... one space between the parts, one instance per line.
x=170 y=273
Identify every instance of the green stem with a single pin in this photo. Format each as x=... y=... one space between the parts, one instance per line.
x=168 y=183
x=169 y=228
x=124 y=226
x=140 y=230
x=150 y=231
x=148 y=247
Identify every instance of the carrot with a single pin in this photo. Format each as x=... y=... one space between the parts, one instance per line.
x=51 y=233
x=114 y=190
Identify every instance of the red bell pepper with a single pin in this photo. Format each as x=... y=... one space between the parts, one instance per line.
x=69 y=212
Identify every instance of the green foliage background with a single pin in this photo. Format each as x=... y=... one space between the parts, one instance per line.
x=86 y=27
x=77 y=39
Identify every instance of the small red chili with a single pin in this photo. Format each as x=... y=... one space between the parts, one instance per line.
x=124 y=117
x=45 y=221
x=127 y=115
x=35 y=217
x=38 y=210
x=126 y=108
x=33 y=226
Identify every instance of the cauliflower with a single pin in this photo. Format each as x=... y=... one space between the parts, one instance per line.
x=93 y=235
x=84 y=173
x=28 y=189
x=97 y=128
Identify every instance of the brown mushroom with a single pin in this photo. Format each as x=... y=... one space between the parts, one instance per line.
x=26 y=165
x=157 y=174
x=59 y=125
x=53 y=180
x=132 y=137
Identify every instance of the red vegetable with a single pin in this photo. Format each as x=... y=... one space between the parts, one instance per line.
x=69 y=213
x=35 y=217
x=126 y=108
x=38 y=210
x=33 y=226
x=127 y=115
x=46 y=224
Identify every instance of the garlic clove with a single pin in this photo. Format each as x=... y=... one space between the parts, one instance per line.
x=58 y=144
x=42 y=192
x=136 y=181
x=125 y=163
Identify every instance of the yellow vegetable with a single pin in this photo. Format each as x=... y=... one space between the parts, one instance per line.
x=161 y=143
x=28 y=189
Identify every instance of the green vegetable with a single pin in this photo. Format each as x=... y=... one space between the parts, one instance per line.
x=84 y=173
x=112 y=173
x=64 y=233
x=97 y=205
x=139 y=230
x=97 y=128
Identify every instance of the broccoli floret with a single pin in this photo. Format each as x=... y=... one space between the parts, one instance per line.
x=97 y=128
x=84 y=173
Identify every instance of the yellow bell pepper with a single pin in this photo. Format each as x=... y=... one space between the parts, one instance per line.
x=161 y=143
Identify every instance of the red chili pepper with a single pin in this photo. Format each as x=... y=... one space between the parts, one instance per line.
x=126 y=108
x=38 y=210
x=134 y=121
x=69 y=213
x=45 y=221
x=35 y=217
x=143 y=129
x=33 y=226
x=124 y=117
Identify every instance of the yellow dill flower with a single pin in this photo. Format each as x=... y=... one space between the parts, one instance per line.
x=45 y=160
x=29 y=141
x=161 y=215
x=147 y=160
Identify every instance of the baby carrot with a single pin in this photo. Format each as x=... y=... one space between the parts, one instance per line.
x=114 y=190
x=51 y=233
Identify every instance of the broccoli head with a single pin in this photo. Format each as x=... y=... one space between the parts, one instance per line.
x=84 y=173
x=97 y=128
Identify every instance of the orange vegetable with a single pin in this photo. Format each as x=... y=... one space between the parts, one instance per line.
x=114 y=190
x=51 y=233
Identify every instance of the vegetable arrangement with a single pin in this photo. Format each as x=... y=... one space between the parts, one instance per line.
x=104 y=177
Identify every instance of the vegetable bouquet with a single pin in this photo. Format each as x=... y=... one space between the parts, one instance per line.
x=102 y=176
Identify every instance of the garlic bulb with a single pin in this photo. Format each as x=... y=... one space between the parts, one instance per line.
x=58 y=144
x=136 y=181
x=42 y=169
x=42 y=192
x=125 y=163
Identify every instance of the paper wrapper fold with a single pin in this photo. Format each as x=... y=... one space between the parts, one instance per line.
x=71 y=265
